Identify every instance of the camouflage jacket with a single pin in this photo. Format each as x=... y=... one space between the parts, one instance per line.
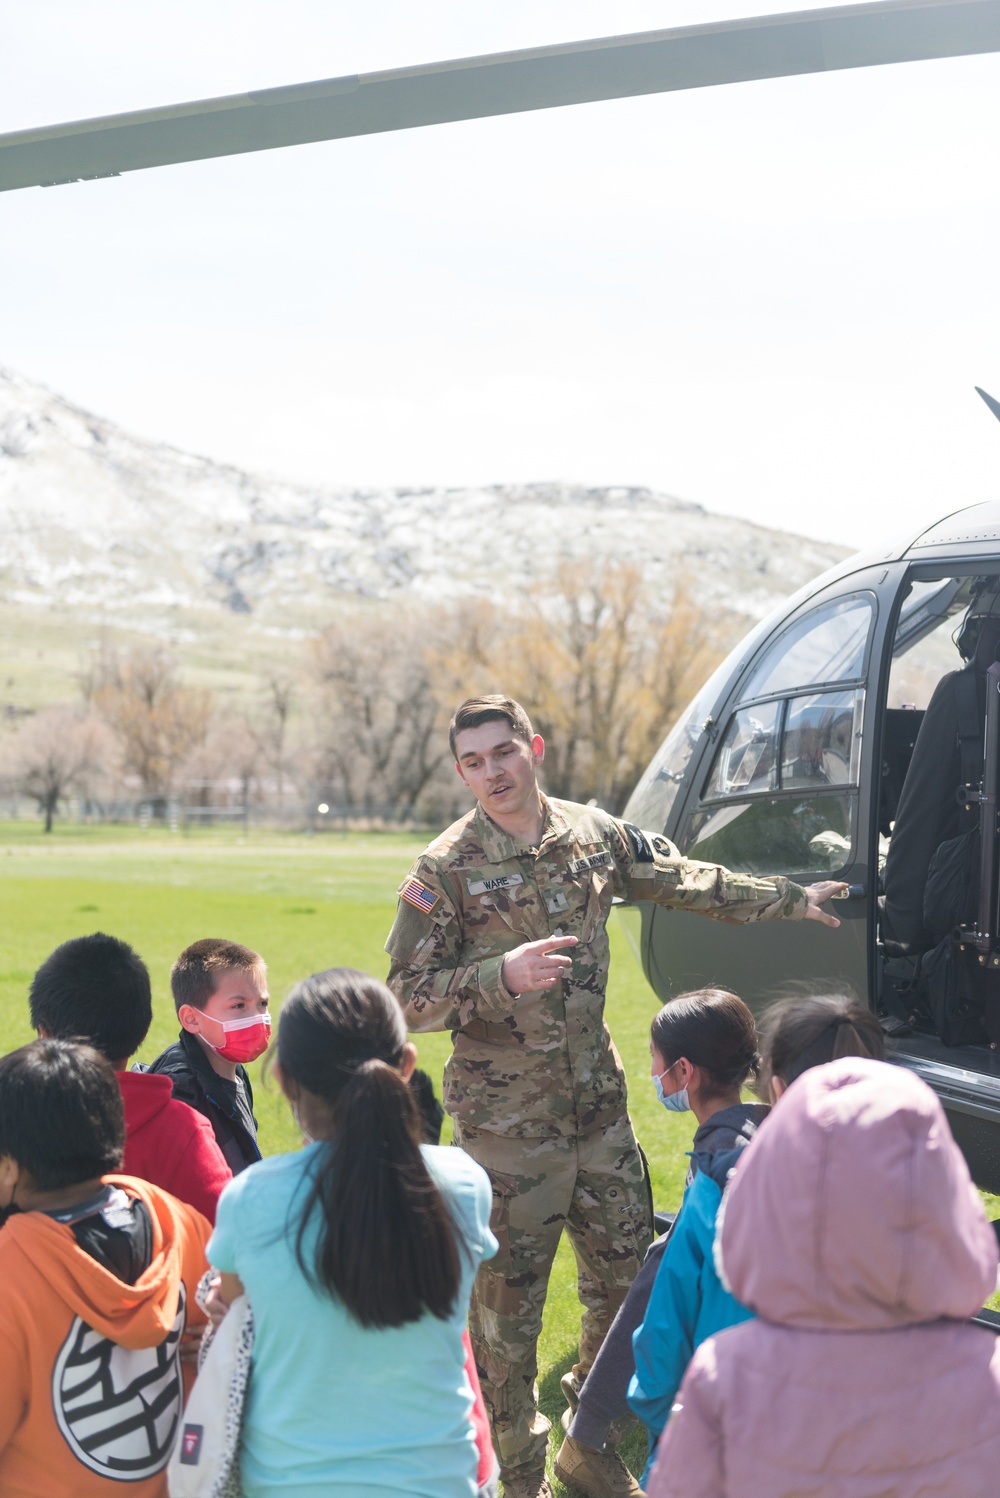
x=541 y=1064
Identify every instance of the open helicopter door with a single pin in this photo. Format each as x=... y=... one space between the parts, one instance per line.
x=778 y=780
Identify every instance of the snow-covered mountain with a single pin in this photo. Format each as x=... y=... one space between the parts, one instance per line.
x=139 y=533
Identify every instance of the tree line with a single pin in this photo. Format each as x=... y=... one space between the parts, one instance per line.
x=360 y=720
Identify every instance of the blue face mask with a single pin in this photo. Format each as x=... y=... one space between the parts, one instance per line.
x=674 y=1102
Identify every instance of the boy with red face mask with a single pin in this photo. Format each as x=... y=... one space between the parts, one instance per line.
x=220 y=990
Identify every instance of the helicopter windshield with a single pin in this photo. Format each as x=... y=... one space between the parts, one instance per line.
x=825 y=646
x=651 y=801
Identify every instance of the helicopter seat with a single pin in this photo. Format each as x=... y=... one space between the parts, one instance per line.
x=931 y=876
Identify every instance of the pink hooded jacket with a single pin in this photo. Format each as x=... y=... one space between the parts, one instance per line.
x=853 y=1230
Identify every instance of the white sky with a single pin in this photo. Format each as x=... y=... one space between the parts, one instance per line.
x=772 y=298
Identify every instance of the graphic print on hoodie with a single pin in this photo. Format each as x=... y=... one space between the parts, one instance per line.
x=92 y=1388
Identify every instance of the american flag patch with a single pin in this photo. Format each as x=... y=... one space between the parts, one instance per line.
x=415 y=893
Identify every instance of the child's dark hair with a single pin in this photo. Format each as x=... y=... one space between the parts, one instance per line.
x=61 y=1113
x=809 y=1029
x=387 y=1245
x=195 y=975
x=714 y=1030
x=94 y=988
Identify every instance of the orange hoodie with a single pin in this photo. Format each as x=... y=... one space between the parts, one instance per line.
x=91 y=1387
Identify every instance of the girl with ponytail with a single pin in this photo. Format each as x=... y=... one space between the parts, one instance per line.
x=357 y=1254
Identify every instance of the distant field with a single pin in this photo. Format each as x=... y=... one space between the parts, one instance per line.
x=307 y=903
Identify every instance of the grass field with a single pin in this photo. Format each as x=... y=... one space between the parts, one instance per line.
x=307 y=903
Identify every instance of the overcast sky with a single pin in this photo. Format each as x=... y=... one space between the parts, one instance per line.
x=772 y=298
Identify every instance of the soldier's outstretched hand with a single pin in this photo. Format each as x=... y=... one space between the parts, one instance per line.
x=827 y=889
x=536 y=964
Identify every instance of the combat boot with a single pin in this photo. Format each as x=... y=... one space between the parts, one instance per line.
x=531 y=1484
x=599 y=1474
x=571 y=1386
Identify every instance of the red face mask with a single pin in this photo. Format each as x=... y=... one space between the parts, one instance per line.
x=245 y=1039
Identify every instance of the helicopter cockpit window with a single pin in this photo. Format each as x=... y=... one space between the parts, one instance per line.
x=821 y=744
x=748 y=756
x=827 y=645
x=781 y=796
x=809 y=746
x=775 y=834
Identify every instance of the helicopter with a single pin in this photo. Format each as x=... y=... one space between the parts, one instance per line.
x=792 y=758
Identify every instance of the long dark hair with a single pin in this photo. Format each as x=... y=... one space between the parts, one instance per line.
x=809 y=1029
x=387 y=1246
x=714 y=1030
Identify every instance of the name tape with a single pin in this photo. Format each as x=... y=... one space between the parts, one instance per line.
x=600 y=860
x=500 y=881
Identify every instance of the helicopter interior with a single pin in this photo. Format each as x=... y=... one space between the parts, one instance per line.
x=933 y=991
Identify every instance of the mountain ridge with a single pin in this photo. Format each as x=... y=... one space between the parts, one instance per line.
x=104 y=531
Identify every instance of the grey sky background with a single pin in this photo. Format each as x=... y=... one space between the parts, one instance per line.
x=773 y=298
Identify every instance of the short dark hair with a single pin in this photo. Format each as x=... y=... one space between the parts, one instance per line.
x=61 y=1113
x=493 y=709
x=94 y=988
x=809 y=1029
x=714 y=1030
x=195 y=975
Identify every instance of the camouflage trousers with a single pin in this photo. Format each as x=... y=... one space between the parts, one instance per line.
x=594 y=1185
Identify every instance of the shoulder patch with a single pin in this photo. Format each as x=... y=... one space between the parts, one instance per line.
x=415 y=893
x=641 y=851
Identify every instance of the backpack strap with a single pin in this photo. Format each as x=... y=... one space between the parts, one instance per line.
x=970 y=728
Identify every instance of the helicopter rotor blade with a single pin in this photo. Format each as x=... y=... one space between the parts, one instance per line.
x=993 y=405
x=851 y=36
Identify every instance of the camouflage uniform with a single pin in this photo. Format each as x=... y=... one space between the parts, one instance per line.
x=534 y=1083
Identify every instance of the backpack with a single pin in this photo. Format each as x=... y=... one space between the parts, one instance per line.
x=206 y=1459
x=952 y=986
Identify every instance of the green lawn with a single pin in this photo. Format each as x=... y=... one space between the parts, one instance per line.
x=307 y=903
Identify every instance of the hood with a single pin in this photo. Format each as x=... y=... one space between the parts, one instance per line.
x=730 y=1128
x=144 y=1096
x=854 y=1208
x=138 y=1315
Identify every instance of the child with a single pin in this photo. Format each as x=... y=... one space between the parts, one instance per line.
x=97 y=1280
x=853 y=1230
x=96 y=988
x=703 y=1047
x=220 y=992
x=357 y=1254
x=688 y=1301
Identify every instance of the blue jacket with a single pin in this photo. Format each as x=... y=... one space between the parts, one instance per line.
x=688 y=1302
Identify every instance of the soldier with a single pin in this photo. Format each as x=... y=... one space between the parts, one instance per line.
x=501 y=937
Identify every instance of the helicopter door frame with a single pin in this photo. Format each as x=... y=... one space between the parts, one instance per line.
x=937 y=570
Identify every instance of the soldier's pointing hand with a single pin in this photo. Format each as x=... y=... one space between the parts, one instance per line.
x=536 y=964
x=827 y=889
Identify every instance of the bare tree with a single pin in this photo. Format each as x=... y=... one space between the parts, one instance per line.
x=602 y=671
x=158 y=718
x=379 y=739
x=59 y=750
x=268 y=727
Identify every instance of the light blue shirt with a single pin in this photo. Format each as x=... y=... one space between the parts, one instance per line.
x=335 y=1408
